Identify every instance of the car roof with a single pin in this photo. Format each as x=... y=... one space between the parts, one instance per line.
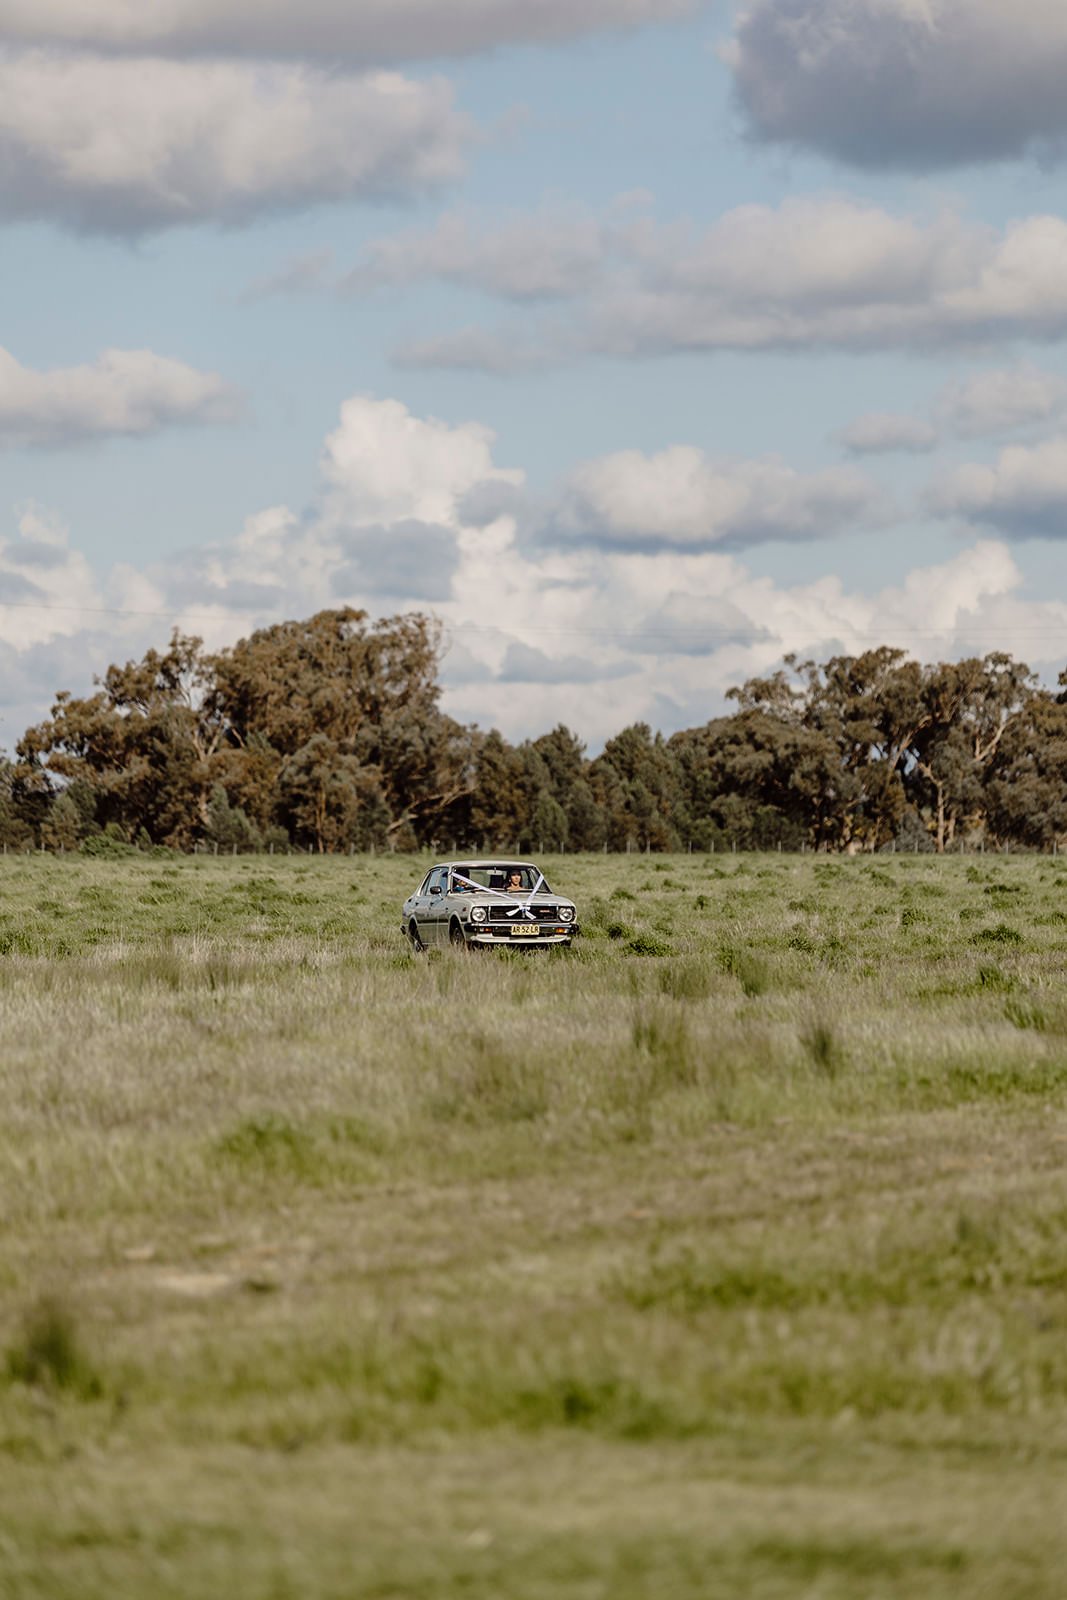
x=483 y=861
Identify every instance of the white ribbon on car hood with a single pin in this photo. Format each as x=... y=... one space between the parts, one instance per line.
x=521 y=907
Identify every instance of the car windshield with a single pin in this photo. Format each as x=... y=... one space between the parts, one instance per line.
x=501 y=877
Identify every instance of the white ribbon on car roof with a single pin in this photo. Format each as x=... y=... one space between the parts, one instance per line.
x=520 y=906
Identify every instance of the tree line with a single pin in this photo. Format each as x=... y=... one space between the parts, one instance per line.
x=328 y=735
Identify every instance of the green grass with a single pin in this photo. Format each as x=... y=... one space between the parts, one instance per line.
x=724 y=1254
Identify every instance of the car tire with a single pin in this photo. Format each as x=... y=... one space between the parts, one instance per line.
x=415 y=937
x=456 y=936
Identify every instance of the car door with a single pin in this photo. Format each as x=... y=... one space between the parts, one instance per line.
x=415 y=908
x=433 y=921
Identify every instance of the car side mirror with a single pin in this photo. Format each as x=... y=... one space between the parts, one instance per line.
x=436 y=889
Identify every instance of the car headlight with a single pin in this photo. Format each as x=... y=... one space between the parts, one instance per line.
x=566 y=913
x=478 y=913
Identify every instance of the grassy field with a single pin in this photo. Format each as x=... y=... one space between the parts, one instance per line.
x=725 y=1255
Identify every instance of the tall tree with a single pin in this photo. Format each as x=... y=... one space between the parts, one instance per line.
x=1026 y=789
x=146 y=745
x=15 y=831
x=972 y=705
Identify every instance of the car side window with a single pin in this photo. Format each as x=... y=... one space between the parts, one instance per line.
x=425 y=889
x=438 y=879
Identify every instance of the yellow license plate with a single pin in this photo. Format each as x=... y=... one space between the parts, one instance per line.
x=526 y=930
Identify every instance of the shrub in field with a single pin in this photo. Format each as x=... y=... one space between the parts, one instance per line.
x=109 y=844
x=649 y=944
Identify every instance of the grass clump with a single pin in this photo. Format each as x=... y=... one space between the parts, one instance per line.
x=751 y=970
x=687 y=980
x=1002 y=934
x=824 y=1049
x=494 y=1084
x=48 y=1353
x=994 y=980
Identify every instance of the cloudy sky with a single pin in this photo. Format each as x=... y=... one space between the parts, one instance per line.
x=640 y=340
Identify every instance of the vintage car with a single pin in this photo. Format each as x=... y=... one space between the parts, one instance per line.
x=473 y=902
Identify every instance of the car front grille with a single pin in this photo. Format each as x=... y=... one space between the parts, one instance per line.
x=541 y=914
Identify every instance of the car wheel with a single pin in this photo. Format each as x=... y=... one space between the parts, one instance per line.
x=414 y=936
x=455 y=936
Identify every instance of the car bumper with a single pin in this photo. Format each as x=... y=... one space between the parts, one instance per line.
x=551 y=933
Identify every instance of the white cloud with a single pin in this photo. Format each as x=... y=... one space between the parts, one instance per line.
x=837 y=272
x=547 y=256
x=502 y=352
x=382 y=464
x=1023 y=495
x=45 y=586
x=908 y=84
x=692 y=625
x=882 y=432
x=680 y=498
x=984 y=405
x=816 y=271
x=304 y=274
x=129 y=146
x=1001 y=401
x=525 y=663
x=689 y=623
x=656 y=629
x=374 y=30
x=122 y=392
